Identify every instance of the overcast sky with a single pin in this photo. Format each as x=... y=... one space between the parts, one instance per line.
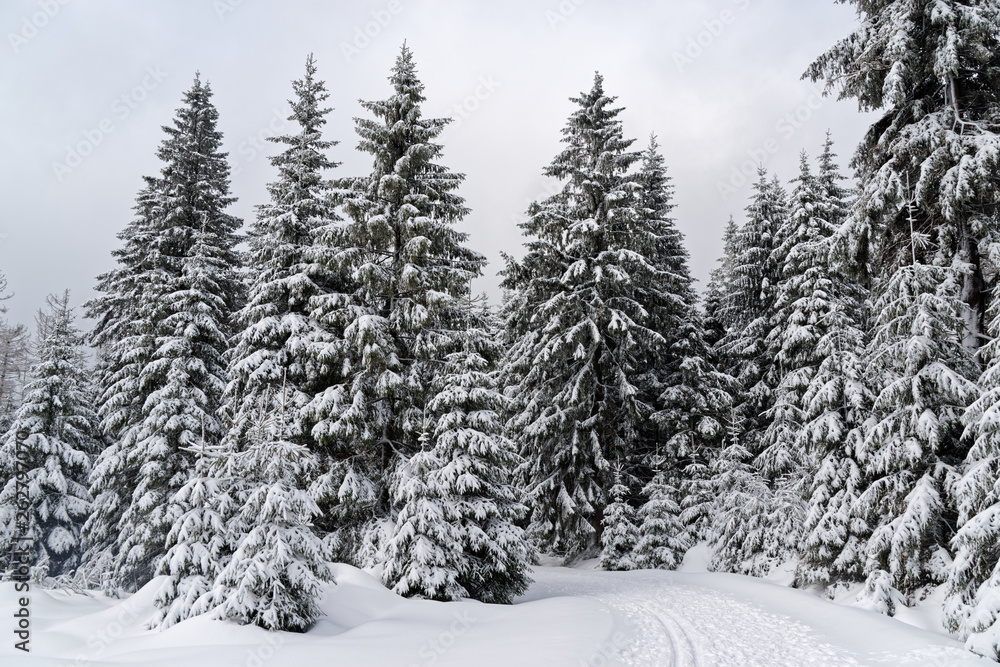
x=85 y=86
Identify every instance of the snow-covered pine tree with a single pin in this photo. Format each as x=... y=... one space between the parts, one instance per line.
x=395 y=324
x=620 y=535
x=425 y=555
x=123 y=337
x=197 y=545
x=804 y=305
x=15 y=362
x=663 y=537
x=755 y=274
x=971 y=608
x=278 y=565
x=691 y=396
x=280 y=341
x=477 y=468
x=719 y=313
x=879 y=595
x=836 y=402
x=51 y=439
x=747 y=539
x=164 y=321
x=580 y=326
x=924 y=377
x=929 y=180
x=932 y=67
x=801 y=304
x=739 y=521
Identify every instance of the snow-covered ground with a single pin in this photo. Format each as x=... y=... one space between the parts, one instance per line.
x=577 y=617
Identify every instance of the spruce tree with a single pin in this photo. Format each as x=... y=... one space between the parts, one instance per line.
x=804 y=307
x=197 y=546
x=757 y=517
x=51 y=440
x=619 y=537
x=663 y=538
x=836 y=402
x=971 y=609
x=278 y=566
x=280 y=340
x=477 y=464
x=740 y=521
x=755 y=276
x=164 y=321
x=720 y=314
x=398 y=316
x=932 y=68
x=801 y=305
x=691 y=396
x=923 y=378
x=424 y=557
x=581 y=324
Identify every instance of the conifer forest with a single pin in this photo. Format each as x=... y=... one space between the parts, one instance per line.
x=246 y=410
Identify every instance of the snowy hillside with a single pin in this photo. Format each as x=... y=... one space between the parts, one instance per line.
x=569 y=617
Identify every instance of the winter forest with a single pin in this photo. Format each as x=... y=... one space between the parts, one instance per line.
x=246 y=404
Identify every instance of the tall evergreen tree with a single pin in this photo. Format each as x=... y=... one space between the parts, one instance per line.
x=837 y=400
x=933 y=69
x=971 y=609
x=424 y=557
x=924 y=378
x=691 y=396
x=581 y=326
x=755 y=276
x=398 y=318
x=477 y=464
x=51 y=440
x=804 y=304
x=163 y=322
x=278 y=566
x=925 y=229
x=280 y=340
x=755 y=518
x=720 y=315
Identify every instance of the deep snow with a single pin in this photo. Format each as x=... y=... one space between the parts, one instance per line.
x=570 y=617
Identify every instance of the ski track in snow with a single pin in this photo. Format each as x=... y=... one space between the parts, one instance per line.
x=678 y=625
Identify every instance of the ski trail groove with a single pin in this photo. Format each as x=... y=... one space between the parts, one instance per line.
x=682 y=647
x=690 y=626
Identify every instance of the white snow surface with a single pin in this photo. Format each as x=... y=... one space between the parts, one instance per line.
x=579 y=617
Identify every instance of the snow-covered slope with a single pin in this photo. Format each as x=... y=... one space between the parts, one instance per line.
x=570 y=617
